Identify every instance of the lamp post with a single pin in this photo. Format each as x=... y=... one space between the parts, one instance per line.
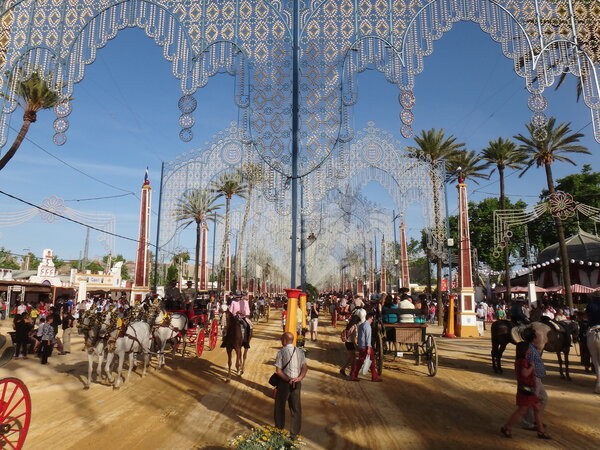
x=26 y=252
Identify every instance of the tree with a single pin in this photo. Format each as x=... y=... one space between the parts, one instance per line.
x=58 y=263
x=503 y=154
x=197 y=206
x=553 y=143
x=435 y=148
x=32 y=94
x=7 y=260
x=95 y=266
x=468 y=164
x=229 y=185
x=172 y=275
x=115 y=259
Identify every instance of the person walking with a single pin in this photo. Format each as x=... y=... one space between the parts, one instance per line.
x=536 y=346
x=67 y=328
x=21 y=325
x=365 y=348
x=526 y=398
x=349 y=339
x=314 y=320
x=291 y=366
x=48 y=335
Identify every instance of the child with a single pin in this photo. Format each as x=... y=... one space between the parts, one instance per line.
x=526 y=397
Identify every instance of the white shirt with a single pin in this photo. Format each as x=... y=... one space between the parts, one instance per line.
x=406 y=318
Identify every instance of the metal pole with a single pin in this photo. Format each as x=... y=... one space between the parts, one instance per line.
x=295 y=129
x=162 y=171
x=448 y=235
x=302 y=240
x=213 y=249
x=396 y=253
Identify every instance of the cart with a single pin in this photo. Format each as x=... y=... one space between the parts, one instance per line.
x=200 y=325
x=15 y=404
x=400 y=338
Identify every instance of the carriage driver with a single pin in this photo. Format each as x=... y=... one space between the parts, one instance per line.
x=240 y=308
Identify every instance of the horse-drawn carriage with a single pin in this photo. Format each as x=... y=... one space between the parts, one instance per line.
x=399 y=338
x=200 y=324
x=15 y=404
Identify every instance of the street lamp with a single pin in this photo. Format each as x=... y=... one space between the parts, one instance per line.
x=396 y=262
x=396 y=216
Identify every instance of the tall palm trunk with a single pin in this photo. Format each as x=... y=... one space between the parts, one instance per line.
x=28 y=118
x=225 y=240
x=197 y=257
x=564 y=255
x=240 y=243
x=506 y=250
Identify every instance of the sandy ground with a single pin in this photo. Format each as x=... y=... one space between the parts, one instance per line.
x=187 y=405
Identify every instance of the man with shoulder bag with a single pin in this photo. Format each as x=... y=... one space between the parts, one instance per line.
x=291 y=367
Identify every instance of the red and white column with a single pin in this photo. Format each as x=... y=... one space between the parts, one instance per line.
x=203 y=257
x=404 y=270
x=142 y=261
x=383 y=271
x=467 y=322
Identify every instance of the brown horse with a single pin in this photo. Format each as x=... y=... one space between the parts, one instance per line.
x=557 y=338
x=233 y=340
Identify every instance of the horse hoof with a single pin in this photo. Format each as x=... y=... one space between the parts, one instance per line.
x=227 y=380
x=86 y=388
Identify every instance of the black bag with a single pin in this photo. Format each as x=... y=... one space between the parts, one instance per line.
x=274 y=380
x=525 y=389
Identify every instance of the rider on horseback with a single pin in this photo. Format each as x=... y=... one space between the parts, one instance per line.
x=516 y=312
x=240 y=308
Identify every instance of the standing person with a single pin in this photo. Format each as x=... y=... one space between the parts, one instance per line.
x=536 y=346
x=67 y=328
x=349 y=338
x=21 y=325
x=314 y=320
x=526 y=398
x=47 y=338
x=365 y=348
x=290 y=365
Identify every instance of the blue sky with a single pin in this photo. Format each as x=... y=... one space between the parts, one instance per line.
x=125 y=118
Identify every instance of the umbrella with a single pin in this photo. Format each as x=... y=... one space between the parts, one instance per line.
x=577 y=289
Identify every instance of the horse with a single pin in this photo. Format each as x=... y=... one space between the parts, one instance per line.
x=166 y=328
x=96 y=328
x=593 y=343
x=136 y=339
x=555 y=337
x=233 y=340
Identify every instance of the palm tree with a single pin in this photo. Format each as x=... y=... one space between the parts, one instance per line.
x=252 y=175
x=197 y=206
x=32 y=94
x=468 y=164
x=503 y=154
x=228 y=185
x=556 y=144
x=434 y=147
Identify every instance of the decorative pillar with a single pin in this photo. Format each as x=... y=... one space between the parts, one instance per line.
x=292 y=310
x=467 y=321
x=142 y=263
x=303 y=308
x=227 y=286
x=359 y=286
x=383 y=286
x=451 y=320
x=404 y=257
x=203 y=256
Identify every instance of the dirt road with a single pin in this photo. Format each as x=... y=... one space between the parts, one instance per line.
x=187 y=405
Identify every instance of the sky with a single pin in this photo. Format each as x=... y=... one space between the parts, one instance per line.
x=125 y=118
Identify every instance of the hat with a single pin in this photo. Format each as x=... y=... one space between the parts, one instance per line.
x=520 y=299
x=362 y=315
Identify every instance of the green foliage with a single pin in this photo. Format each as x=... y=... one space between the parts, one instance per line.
x=34 y=261
x=94 y=266
x=7 y=261
x=58 y=263
x=172 y=275
x=312 y=292
x=115 y=259
x=265 y=437
x=481 y=227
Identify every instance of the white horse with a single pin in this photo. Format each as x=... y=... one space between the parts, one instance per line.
x=136 y=339
x=96 y=329
x=593 y=342
x=166 y=328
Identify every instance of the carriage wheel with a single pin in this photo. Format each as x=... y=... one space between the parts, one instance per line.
x=15 y=413
x=200 y=342
x=214 y=334
x=378 y=350
x=431 y=355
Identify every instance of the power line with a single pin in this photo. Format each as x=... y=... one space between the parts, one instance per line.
x=39 y=147
x=98 y=198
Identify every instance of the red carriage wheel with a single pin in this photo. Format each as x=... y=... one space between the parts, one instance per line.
x=214 y=334
x=200 y=343
x=15 y=413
